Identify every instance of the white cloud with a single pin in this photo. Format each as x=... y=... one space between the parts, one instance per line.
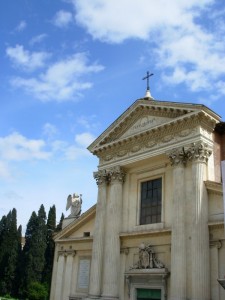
x=38 y=39
x=16 y=147
x=61 y=81
x=63 y=18
x=115 y=21
x=21 y=26
x=4 y=170
x=84 y=139
x=50 y=130
x=183 y=46
x=25 y=59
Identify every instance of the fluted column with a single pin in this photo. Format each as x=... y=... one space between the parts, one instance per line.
x=199 y=154
x=112 y=240
x=98 y=236
x=178 y=245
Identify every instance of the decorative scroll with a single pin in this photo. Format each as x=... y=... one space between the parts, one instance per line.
x=147 y=258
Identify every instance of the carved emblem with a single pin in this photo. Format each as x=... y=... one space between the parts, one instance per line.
x=147 y=258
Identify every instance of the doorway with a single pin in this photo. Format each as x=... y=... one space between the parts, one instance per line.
x=148 y=294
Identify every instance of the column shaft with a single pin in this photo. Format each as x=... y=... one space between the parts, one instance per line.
x=112 y=239
x=59 y=278
x=178 y=248
x=200 y=235
x=67 y=277
x=98 y=238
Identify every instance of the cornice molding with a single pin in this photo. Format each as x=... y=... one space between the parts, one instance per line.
x=176 y=131
x=167 y=130
x=214 y=187
x=148 y=233
x=215 y=225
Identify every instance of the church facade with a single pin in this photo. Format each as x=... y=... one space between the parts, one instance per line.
x=157 y=230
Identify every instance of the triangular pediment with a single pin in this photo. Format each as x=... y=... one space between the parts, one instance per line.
x=144 y=123
x=145 y=116
x=76 y=227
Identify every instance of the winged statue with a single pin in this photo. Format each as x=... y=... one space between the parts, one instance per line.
x=74 y=202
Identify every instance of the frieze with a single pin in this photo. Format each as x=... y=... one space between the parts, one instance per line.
x=143 y=143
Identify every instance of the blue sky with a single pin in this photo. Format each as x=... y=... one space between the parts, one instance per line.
x=69 y=68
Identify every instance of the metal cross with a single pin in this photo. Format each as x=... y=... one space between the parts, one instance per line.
x=147 y=77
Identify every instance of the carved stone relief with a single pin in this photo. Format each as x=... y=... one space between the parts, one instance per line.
x=142 y=144
x=147 y=258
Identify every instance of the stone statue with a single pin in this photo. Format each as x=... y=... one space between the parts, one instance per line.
x=74 y=202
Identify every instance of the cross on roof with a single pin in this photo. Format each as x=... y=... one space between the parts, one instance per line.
x=147 y=77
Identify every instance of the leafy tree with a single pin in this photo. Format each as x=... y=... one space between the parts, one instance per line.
x=37 y=291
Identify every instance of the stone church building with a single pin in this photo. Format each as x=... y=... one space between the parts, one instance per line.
x=157 y=230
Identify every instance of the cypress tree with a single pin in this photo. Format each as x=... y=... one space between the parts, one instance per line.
x=59 y=226
x=49 y=253
x=10 y=246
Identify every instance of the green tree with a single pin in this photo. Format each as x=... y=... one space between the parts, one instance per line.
x=37 y=291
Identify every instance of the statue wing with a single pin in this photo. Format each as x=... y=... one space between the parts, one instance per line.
x=69 y=202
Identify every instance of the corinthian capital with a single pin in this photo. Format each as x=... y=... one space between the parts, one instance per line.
x=178 y=157
x=117 y=174
x=199 y=152
x=101 y=177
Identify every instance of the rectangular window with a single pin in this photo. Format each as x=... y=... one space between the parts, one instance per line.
x=151 y=201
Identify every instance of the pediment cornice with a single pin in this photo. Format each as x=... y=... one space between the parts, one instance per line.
x=147 y=120
x=179 y=130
